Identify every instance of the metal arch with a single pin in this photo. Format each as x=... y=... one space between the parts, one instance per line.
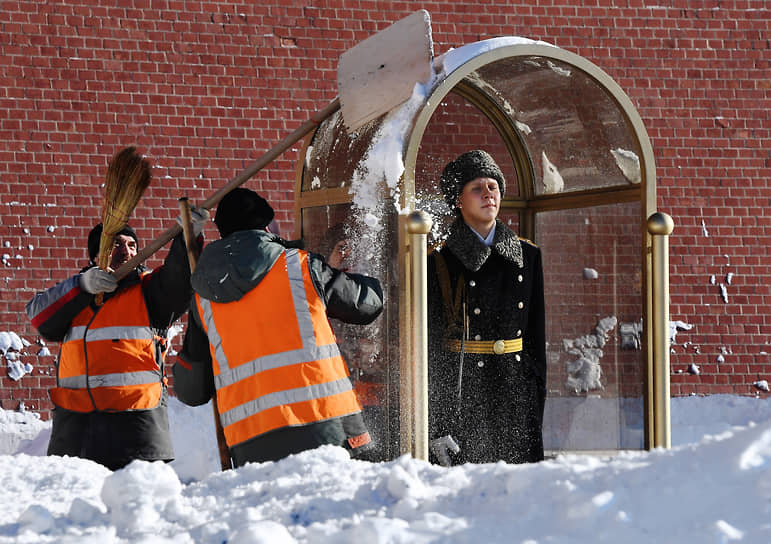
x=455 y=79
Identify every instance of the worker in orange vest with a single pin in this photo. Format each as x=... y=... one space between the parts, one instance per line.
x=110 y=399
x=259 y=338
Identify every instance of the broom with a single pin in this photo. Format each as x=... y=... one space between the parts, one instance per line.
x=192 y=257
x=128 y=175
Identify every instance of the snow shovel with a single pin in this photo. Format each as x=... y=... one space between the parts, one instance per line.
x=373 y=77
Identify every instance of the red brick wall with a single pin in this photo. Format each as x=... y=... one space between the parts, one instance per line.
x=206 y=88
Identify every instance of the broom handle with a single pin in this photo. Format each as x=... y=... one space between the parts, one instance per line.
x=187 y=228
x=240 y=179
x=192 y=257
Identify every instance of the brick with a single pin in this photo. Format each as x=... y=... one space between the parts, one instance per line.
x=207 y=94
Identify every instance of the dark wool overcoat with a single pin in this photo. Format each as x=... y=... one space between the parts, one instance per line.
x=492 y=405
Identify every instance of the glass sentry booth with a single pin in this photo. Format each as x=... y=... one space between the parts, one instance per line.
x=580 y=184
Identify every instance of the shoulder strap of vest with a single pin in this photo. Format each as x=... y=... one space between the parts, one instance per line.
x=451 y=304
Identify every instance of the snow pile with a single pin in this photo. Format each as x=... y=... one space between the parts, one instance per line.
x=713 y=486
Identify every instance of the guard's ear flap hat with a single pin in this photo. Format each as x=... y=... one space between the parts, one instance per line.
x=467 y=167
x=96 y=235
x=242 y=209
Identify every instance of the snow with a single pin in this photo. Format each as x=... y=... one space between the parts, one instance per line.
x=712 y=486
x=452 y=59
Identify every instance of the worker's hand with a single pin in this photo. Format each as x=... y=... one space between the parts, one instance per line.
x=94 y=280
x=441 y=448
x=200 y=217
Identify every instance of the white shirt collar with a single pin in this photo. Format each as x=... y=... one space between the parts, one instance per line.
x=486 y=241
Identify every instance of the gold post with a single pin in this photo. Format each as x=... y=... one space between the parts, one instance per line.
x=660 y=226
x=405 y=338
x=416 y=382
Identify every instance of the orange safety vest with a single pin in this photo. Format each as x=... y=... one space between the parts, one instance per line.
x=108 y=358
x=275 y=358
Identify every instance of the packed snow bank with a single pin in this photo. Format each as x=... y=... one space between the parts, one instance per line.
x=711 y=488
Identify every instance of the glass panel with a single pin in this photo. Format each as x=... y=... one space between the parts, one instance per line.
x=575 y=133
x=510 y=216
x=371 y=351
x=334 y=155
x=457 y=126
x=596 y=369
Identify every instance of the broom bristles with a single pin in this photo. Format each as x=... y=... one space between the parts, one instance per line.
x=128 y=175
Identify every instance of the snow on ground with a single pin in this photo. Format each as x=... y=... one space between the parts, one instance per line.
x=714 y=485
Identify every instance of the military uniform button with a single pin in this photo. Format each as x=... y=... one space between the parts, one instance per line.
x=517 y=357
x=480 y=364
x=520 y=278
x=477 y=311
x=478 y=337
x=519 y=332
x=521 y=305
x=472 y=283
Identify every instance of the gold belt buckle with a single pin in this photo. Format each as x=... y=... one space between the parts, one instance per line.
x=499 y=347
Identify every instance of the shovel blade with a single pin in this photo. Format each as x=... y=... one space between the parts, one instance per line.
x=380 y=73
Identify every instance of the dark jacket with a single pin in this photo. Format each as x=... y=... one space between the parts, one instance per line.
x=115 y=439
x=493 y=406
x=226 y=271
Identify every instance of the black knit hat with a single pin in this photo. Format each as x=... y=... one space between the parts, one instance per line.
x=330 y=239
x=242 y=209
x=468 y=167
x=96 y=235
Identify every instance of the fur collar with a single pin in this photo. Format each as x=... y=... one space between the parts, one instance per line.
x=472 y=253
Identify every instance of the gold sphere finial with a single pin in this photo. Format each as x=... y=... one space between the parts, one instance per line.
x=419 y=222
x=660 y=223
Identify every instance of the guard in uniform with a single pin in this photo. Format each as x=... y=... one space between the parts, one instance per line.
x=487 y=354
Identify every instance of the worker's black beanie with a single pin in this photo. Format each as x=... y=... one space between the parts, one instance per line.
x=242 y=209
x=96 y=235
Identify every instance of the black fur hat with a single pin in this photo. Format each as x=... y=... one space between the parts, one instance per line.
x=242 y=209
x=96 y=235
x=467 y=167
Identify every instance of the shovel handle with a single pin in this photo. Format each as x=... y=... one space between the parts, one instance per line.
x=240 y=179
x=273 y=152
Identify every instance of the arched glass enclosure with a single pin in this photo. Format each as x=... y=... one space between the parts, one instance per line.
x=580 y=184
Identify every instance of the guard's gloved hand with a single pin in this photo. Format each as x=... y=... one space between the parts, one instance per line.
x=94 y=280
x=441 y=448
x=200 y=217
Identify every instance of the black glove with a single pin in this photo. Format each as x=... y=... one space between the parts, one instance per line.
x=441 y=448
x=94 y=280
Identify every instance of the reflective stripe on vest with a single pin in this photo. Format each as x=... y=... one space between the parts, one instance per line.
x=103 y=366
x=275 y=358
